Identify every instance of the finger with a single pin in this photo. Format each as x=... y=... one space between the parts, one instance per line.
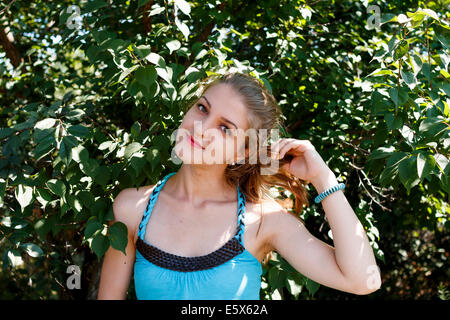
x=286 y=147
x=299 y=147
x=279 y=144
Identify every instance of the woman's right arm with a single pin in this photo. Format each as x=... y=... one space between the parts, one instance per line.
x=117 y=268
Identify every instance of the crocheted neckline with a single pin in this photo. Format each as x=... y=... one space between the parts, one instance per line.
x=229 y=250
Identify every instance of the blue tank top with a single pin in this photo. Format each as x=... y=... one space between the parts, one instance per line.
x=229 y=273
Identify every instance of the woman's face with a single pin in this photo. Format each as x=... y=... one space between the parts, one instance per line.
x=217 y=122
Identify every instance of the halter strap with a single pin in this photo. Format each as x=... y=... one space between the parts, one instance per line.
x=154 y=198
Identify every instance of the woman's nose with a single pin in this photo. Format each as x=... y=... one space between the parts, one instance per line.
x=202 y=129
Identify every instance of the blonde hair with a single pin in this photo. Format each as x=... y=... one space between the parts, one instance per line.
x=263 y=113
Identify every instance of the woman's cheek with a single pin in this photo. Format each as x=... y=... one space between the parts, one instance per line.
x=229 y=150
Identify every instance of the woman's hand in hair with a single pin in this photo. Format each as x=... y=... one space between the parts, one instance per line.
x=306 y=163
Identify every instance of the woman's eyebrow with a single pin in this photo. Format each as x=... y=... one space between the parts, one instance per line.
x=224 y=119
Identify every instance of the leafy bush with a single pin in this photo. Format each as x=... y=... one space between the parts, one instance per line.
x=88 y=111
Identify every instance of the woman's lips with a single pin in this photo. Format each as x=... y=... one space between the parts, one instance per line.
x=194 y=143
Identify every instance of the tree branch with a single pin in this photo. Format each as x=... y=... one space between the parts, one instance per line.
x=7 y=7
x=7 y=42
x=146 y=19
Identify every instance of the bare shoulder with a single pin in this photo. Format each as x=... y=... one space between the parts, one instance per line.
x=129 y=206
x=275 y=215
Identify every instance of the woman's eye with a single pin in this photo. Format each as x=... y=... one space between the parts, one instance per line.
x=200 y=105
x=227 y=132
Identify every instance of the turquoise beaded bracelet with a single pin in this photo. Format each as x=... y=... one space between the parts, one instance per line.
x=327 y=192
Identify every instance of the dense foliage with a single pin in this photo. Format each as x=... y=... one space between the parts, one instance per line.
x=90 y=92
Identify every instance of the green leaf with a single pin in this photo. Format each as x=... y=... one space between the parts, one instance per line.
x=425 y=164
x=387 y=17
x=32 y=249
x=88 y=167
x=94 y=5
x=381 y=152
x=156 y=59
x=131 y=149
x=65 y=151
x=74 y=203
x=415 y=63
x=408 y=134
x=43 y=196
x=91 y=228
x=138 y=164
x=77 y=130
x=5 y=132
x=380 y=105
x=407 y=170
x=392 y=44
x=442 y=35
x=80 y=154
x=45 y=124
x=426 y=71
x=162 y=72
x=401 y=49
x=74 y=114
x=391 y=169
x=409 y=78
x=432 y=127
x=416 y=19
x=173 y=45
x=153 y=156
x=381 y=72
x=276 y=278
x=100 y=245
x=444 y=60
x=428 y=12
x=119 y=236
x=393 y=122
x=135 y=129
x=143 y=51
x=441 y=160
x=156 y=10
x=24 y=125
x=146 y=76
x=445 y=74
x=13 y=257
x=125 y=73
x=184 y=6
x=399 y=97
x=57 y=187
x=2 y=190
x=24 y=195
x=102 y=175
x=87 y=199
x=293 y=287
x=183 y=28
x=312 y=286
x=40 y=135
x=106 y=145
x=445 y=183
x=42 y=228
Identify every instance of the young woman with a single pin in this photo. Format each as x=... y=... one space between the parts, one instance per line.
x=203 y=231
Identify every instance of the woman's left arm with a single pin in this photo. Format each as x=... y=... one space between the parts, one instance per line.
x=353 y=252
